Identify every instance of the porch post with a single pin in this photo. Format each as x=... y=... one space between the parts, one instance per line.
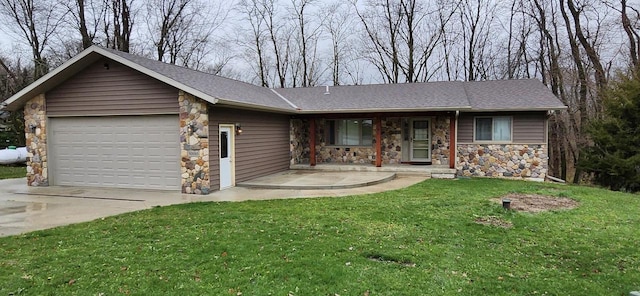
x=312 y=135
x=452 y=141
x=378 y=141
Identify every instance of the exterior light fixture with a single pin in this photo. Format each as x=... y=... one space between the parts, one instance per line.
x=238 y=129
x=191 y=127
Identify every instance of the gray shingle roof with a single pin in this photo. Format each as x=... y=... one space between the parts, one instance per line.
x=497 y=95
x=379 y=97
x=503 y=95
x=228 y=90
x=526 y=94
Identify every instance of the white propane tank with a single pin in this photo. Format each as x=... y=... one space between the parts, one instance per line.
x=11 y=155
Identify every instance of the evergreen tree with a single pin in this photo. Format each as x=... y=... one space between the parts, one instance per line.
x=614 y=158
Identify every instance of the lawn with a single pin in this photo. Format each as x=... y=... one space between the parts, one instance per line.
x=9 y=172
x=422 y=240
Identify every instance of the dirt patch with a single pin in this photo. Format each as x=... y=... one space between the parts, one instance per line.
x=384 y=259
x=494 y=221
x=535 y=203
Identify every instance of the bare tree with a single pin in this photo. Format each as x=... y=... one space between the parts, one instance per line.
x=381 y=23
x=476 y=18
x=79 y=12
x=182 y=30
x=402 y=36
x=118 y=24
x=254 y=13
x=630 y=21
x=280 y=37
x=588 y=44
x=337 y=24
x=36 y=22
x=308 y=33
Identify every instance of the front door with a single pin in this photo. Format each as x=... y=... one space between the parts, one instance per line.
x=226 y=156
x=420 y=139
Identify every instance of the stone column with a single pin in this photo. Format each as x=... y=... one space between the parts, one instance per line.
x=194 y=144
x=35 y=128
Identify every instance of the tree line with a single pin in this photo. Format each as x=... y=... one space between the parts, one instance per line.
x=575 y=47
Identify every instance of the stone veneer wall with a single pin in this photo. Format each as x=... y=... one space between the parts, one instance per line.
x=440 y=140
x=35 y=128
x=502 y=160
x=391 y=140
x=299 y=141
x=392 y=143
x=194 y=144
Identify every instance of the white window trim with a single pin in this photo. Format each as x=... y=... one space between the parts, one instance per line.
x=488 y=141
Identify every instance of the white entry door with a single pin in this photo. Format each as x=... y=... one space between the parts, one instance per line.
x=420 y=140
x=226 y=156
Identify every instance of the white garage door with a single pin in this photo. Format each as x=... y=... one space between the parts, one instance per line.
x=115 y=151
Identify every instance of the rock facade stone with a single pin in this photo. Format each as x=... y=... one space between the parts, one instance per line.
x=35 y=125
x=299 y=141
x=194 y=144
x=392 y=143
x=502 y=160
x=440 y=136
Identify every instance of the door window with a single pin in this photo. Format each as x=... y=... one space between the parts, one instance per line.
x=224 y=144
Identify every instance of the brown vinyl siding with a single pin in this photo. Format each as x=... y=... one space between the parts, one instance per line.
x=465 y=128
x=118 y=90
x=261 y=149
x=528 y=127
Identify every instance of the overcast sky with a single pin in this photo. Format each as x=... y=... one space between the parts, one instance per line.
x=12 y=46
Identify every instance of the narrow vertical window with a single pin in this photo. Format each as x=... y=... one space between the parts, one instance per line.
x=224 y=145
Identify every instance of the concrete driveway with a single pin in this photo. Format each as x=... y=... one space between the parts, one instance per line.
x=24 y=209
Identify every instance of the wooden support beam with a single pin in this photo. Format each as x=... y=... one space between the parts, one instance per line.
x=312 y=142
x=452 y=142
x=378 y=141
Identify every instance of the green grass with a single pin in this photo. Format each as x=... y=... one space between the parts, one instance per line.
x=423 y=241
x=9 y=172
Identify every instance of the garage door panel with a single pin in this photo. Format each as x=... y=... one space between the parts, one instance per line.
x=117 y=151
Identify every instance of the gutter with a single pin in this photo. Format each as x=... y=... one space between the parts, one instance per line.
x=385 y=110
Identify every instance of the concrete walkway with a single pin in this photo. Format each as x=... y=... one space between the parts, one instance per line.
x=24 y=209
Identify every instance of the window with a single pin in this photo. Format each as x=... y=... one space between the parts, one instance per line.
x=224 y=147
x=349 y=132
x=497 y=129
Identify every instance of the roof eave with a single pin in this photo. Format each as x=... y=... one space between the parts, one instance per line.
x=386 y=110
x=550 y=108
x=222 y=102
x=51 y=79
x=81 y=61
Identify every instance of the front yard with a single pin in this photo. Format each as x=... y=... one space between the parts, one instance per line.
x=436 y=238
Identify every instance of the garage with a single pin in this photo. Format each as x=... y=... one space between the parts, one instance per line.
x=115 y=151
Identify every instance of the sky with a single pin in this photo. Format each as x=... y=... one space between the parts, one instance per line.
x=12 y=46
